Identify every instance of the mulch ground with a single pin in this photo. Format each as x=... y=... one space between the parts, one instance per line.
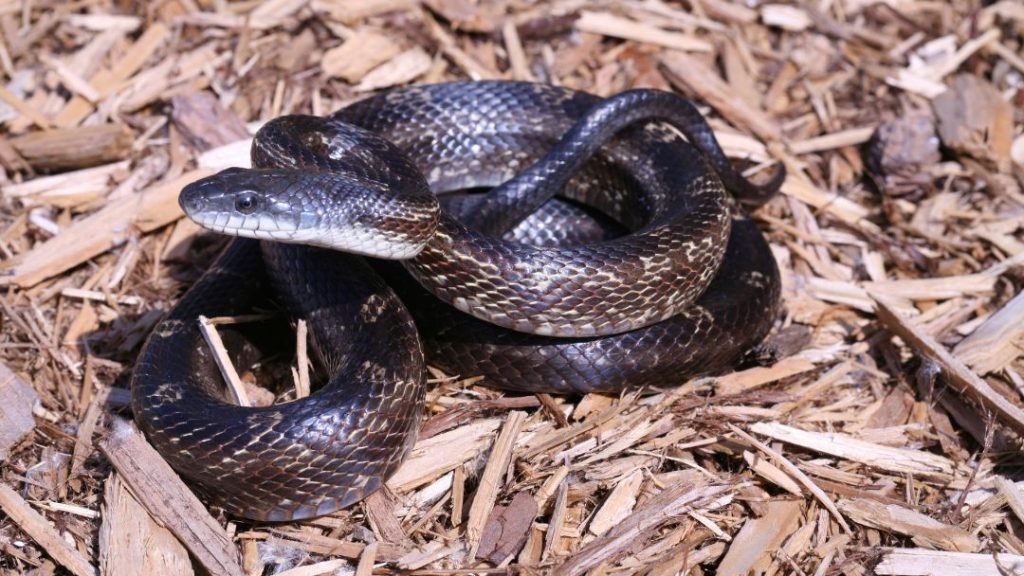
x=883 y=437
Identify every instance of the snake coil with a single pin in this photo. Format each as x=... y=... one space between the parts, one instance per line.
x=606 y=254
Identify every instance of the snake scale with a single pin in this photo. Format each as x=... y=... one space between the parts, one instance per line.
x=605 y=253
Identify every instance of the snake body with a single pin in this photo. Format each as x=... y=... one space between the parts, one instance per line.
x=543 y=293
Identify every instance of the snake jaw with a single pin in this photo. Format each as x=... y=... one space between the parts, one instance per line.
x=315 y=209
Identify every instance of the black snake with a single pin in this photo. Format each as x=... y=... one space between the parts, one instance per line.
x=592 y=264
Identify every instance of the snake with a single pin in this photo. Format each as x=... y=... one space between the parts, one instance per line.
x=544 y=238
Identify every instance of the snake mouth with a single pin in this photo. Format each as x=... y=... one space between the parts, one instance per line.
x=260 y=227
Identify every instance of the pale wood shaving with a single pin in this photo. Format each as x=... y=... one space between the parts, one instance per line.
x=920 y=562
x=618 y=505
x=401 y=69
x=132 y=542
x=694 y=75
x=166 y=497
x=667 y=506
x=207 y=327
x=99 y=232
x=497 y=463
x=998 y=341
x=436 y=455
x=924 y=530
x=752 y=548
x=611 y=25
x=363 y=51
x=899 y=460
x=796 y=473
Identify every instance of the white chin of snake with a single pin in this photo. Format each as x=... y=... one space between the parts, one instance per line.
x=352 y=239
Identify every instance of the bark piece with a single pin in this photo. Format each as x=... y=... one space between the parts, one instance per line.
x=17 y=398
x=507 y=528
x=380 y=511
x=205 y=122
x=903 y=152
x=975 y=119
x=72 y=148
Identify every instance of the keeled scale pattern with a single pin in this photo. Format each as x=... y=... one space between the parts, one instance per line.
x=312 y=456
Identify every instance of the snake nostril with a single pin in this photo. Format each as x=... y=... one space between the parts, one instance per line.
x=190 y=199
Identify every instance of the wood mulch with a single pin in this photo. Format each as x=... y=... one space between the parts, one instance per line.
x=882 y=438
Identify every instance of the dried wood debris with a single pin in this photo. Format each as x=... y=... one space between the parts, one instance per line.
x=881 y=433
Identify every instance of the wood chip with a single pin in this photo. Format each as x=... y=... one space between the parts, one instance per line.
x=437 y=455
x=381 y=509
x=401 y=69
x=691 y=74
x=784 y=16
x=507 y=528
x=795 y=472
x=17 y=400
x=960 y=375
x=924 y=530
x=167 y=498
x=490 y=480
x=205 y=122
x=617 y=505
x=669 y=505
x=608 y=24
x=101 y=231
x=899 y=460
x=354 y=11
x=131 y=542
x=753 y=378
x=975 y=119
x=24 y=109
x=364 y=51
x=920 y=562
x=752 y=549
x=37 y=527
x=996 y=342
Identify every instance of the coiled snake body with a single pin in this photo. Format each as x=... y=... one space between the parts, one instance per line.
x=546 y=293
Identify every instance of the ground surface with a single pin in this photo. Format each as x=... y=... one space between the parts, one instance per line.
x=885 y=438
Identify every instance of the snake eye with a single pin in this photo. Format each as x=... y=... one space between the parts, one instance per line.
x=246 y=203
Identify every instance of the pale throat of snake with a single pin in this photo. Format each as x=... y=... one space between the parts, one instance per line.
x=314 y=208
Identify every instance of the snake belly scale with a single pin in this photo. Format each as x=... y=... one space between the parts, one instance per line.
x=607 y=254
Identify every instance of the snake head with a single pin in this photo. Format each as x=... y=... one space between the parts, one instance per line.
x=317 y=208
x=243 y=202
